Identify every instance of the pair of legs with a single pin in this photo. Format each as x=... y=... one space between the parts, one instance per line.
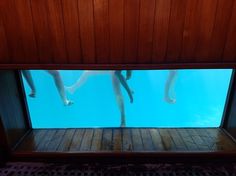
x=169 y=90
x=124 y=82
x=119 y=99
x=117 y=79
x=57 y=80
x=86 y=74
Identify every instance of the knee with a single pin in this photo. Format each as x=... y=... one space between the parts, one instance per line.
x=120 y=98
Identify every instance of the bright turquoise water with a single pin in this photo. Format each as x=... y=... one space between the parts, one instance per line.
x=200 y=99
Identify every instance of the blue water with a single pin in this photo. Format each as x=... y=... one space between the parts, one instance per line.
x=200 y=99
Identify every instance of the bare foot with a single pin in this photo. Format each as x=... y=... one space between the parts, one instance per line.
x=32 y=94
x=131 y=97
x=170 y=100
x=68 y=103
x=122 y=125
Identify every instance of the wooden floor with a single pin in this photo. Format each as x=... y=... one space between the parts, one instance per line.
x=127 y=139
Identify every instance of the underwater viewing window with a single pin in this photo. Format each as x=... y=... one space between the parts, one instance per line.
x=127 y=98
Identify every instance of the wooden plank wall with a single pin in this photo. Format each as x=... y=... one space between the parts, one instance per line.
x=12 y=115
x=117 y=31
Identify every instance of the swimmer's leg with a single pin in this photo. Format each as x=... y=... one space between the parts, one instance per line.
x=60 y=86
x=124 y=84
x=128 y=74
x=119 y=99
x=82 y=79
x=169 y=86
x=28 y=77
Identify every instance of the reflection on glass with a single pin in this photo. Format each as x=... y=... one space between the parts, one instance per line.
x=114 y=98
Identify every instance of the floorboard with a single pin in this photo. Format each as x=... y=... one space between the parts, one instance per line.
x=97 y=140
x=107 y=140
x=117 y=140
x=127 y=140
x=188 y=140
x=66 y=140
x=76 y=140
x=136 y=140
x=56 y=140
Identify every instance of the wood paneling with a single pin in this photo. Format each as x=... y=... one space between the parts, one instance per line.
x=56 y=23
x=4 y=55
x=117 y=31
x=101 y=17
x=207 y=20
x=12 y=23
x=11 y=108
x=116 y=27
x=160 y=35
x=86 y=18
x=131 y=30
x=146 y=22
x=143 y=140
x=72 y=31
x=26 y=29
x=219 y=33
x=42 y=30
x=175 y=32
x=230 y=46
x=190 y=31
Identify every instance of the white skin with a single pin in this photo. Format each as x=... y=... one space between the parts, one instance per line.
x=60 y=86
x=119 y=99
x=169 y=87
x=83 y=78
x=116 y=86
x=28 y=77
x=57 y=80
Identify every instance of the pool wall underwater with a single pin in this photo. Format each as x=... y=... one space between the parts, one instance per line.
x=148 y=98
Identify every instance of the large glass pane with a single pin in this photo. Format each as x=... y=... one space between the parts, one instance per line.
x=137 y=98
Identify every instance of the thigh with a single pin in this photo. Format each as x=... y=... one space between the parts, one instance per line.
x=53 y=72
